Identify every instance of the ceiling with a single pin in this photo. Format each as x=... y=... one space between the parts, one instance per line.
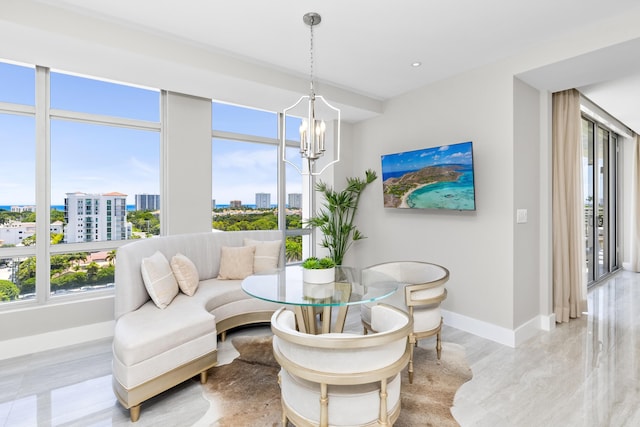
x=368 y=46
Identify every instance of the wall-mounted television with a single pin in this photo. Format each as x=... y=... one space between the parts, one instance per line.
x=431 y=178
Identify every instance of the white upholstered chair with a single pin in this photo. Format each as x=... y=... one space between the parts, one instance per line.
x=342 y=379
x=422 y=290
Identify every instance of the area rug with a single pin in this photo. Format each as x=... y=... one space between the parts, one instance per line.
x=246 y=392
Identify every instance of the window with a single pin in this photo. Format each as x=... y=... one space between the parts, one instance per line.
x=17 y=182
x=101 y=98
x=17 y=84
x=130 y=164
x=245 y=166
x=241 y=170
x=600 y=161
x=245 y=121
x=104 y=149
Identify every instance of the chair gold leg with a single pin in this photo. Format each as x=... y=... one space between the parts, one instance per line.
x=223 y=336
x=383 y=417
x=284 y=411
x=324 y=406
x=203 y=377
x=412 y=344
x=438 y=345
x=134 y=413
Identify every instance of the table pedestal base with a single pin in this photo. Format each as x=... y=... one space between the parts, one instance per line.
x=308 y=322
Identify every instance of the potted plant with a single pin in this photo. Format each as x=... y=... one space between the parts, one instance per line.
x=335 y=218
x=318 y=270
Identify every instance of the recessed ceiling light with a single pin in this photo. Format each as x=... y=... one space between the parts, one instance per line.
x=416 y=64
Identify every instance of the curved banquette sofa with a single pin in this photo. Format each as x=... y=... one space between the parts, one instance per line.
x=174 y=295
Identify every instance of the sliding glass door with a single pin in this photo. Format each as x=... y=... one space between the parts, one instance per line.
x=600 y=161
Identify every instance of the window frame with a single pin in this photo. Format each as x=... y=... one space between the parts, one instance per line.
x=43 y=250
x=281 y=186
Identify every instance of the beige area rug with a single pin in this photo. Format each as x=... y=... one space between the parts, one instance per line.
x=248 y=394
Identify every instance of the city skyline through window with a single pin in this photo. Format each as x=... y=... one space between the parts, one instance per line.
x=102 y=148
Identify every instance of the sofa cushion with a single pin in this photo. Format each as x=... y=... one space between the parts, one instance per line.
x=267 y=254
x=130 y=376
x=158 y=279
x=186 y=273
x=236 y=262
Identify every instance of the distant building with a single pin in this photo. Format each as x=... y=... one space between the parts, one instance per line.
x=235 y=204
x=95 y=217
x=14 y=232
x=263 y=200
x=213 y=203
x=147 y=202
x=23 y=208
x=295 y=200
x=56 y=227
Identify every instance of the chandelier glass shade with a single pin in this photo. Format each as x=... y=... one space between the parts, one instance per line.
x=319 y=120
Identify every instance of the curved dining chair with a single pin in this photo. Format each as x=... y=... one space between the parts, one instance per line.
x=342 y=379
x=422 y=291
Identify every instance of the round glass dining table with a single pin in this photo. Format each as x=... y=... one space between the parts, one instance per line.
x=286 y=286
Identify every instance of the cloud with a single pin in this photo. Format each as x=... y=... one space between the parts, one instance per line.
x=142 y=168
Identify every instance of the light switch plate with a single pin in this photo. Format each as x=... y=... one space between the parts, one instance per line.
x=521 y=216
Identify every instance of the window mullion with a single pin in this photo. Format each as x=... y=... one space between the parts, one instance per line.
x=98 y=119
x=232 y=136
x=43 y=183
x=18 y=109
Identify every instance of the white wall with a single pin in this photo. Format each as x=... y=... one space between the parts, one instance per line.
x=526 y=245
x=477 y=247
x=626 y=157
x=186 y=160
x=28 y=329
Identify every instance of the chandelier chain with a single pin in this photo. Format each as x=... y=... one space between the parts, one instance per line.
x=311 y=57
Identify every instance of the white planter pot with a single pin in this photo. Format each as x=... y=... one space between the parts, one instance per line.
x=318 y=291
x=325 y=275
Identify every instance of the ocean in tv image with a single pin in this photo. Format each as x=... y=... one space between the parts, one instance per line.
x=431 y=178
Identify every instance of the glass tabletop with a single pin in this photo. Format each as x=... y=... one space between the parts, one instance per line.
x=287 y=287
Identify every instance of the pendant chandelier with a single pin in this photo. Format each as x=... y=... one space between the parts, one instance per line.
x=318 y=118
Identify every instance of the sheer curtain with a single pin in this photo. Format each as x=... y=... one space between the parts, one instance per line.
x=569 y=282
x=634 y=261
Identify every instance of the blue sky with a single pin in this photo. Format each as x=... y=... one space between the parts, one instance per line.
x=460 y=153
x=99 y=159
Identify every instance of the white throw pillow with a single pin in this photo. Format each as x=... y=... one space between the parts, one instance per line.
x=158 y=279
x=236 y=262
x=266 y=256
x=186 y=273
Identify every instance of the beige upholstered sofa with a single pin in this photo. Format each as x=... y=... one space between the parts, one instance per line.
x=157 y=348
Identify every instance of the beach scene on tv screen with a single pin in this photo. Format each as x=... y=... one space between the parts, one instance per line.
x=431 y=178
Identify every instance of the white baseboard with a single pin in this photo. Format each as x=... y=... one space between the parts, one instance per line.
x=56 y=339
x=527 y=330
x=499 y=334
x=548 y=323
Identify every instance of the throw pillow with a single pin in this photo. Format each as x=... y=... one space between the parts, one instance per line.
x=266 y=256
x=158 y=279
x=236 y=262
x=186 y=273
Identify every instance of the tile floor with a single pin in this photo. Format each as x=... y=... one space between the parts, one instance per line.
x=584 y=373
